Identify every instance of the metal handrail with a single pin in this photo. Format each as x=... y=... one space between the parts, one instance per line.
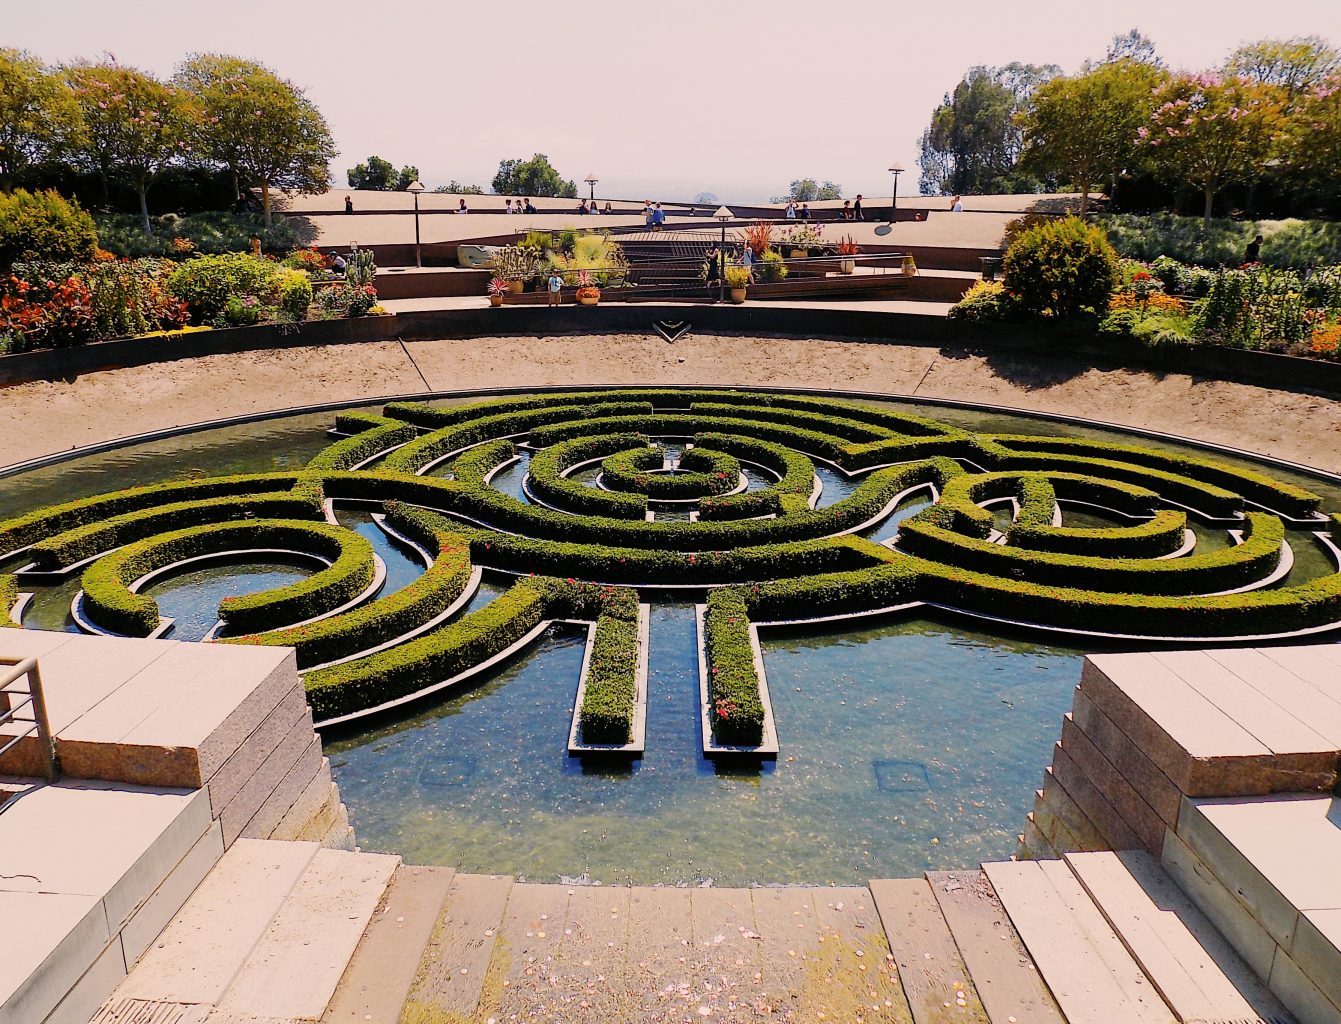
x=35 y=699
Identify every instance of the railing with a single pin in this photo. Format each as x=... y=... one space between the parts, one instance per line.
x=36 y=721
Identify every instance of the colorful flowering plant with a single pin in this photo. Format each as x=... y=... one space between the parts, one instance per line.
x=586 y=288
x=498 y=286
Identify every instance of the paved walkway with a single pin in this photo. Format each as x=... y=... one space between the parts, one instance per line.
x=875 y=305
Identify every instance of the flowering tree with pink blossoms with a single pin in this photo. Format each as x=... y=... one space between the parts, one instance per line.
x=1315 y=133
x=1211 y=131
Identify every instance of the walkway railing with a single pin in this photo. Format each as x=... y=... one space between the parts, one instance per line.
x=30 y=696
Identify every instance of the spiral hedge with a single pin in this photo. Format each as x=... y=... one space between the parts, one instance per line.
x=587 y=534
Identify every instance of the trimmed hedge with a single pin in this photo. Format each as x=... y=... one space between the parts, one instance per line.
x=548 y=482
x=9 y=594
x=606 y=714
x=83 y=542
x=371 y=436
x=791 y=493
x=110 y=603
x=1162 y=534
x=369 y=625
x=24 y=530
x=735 y=707
x=426 y=449
x=474 y=465
x=457 y=646
x=701 y=472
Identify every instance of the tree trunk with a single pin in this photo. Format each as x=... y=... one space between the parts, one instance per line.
x=1210 y=200
x=265 y=202
x=1084 y=199
x=143 y=189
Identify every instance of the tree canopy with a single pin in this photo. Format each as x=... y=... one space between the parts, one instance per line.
x=534 y=177
x=1293 y=65
x=1082 y=130
x=454 y=187
x=38 y=114
x=974 y=141
x=1132 y=45
x=263 y=128
x=807 y=190
x=378 y=175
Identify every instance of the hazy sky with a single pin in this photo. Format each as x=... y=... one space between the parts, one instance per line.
x=661 y=100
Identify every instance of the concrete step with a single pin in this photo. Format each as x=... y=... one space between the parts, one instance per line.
x=1004 y=976
x=293 y=970
x=71 y=918
x=931 y=969
x=1192 y=965
x=1280 y=899
x=200 y=953
x=378 y=979
x=1090 y=973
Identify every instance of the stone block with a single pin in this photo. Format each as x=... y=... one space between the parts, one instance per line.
x=1117 y=834
x=1316 y=950
x=153 y=915
x=1139 y=816
x=261 y=786
x=248 y=758
x=63 y=934
x=1298 y=992
x=1145 y=778
x=97 y=983
x=300 y=776
x=1058 y=802
x=311 y=803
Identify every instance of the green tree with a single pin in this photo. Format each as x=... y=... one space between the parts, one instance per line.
x=1293 y=65
x=133 y=125
x=44 y=226
x=973 y=143
x=454 y=187
x=1210 y=131
x=263 y=128
x=808 y=190
x=1132 y=45
x=38 y=114
x=534 y=177
x=1082 y=129
x=1313 y=135
x=378 y=175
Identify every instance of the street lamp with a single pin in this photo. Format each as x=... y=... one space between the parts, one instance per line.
x=896 y=170
x=415 y=187
x=723 y=215
x=591 y=180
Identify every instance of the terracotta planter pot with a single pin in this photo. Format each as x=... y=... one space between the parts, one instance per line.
x=588 y=301
x=799 y=254
x=495 y=300
x=737 y=295
x=515 y=287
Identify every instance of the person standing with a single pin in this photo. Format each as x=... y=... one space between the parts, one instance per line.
x=658 y=217
x=856 y=209
x=507 y=207
x=349 y=204
x=958 y=205
x=462 y=208
x=805 y=211
x=608 y=209
x=647 y=213
x=791 y=211
x=1253 y=252
x=747 y=261
x=555 y=283
x=847 y=209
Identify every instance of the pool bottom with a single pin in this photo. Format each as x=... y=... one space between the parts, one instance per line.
x=906 y=746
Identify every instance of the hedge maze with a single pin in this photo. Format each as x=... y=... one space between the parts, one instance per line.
x=601 y=516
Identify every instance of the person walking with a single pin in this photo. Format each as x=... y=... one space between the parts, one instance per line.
x=847 y=209
x=647 y=213
x=747 y=261
x=555 y=283
x=805 y=211
x=856 y=209
x=658 y=217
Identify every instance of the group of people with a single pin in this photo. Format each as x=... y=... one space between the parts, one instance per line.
x=523 y=206
x=795 y=213
x=653 y=215
x=851 y=210
x=591 y=208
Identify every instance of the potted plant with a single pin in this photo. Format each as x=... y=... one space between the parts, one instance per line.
x=498 y=287
x=737 y=279
x=800 y=239
x=587 y=292
x=516 y=266
x=847 y=248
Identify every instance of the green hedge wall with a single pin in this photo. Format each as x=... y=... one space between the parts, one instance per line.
x=9 y=594
x=735 y=707
x=1162 y=534
x=369 y=625
x=548 y=483
x=371 y=435
x=608 y=703
x=701 y=472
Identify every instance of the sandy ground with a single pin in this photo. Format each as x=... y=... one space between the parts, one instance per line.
x=45 y=417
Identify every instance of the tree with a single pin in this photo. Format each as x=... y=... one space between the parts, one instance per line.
x=378 y=175
x=263 y=128
x=706 y=197
x=38 y=114
x=133 y=125
x=1083 y=129
x=455 y=188
x=973 y=143
x=534 y=177
x=1211 y=131
x=1293 y=65
x=1314 y=134
x=807 y=190
x=1134 y=46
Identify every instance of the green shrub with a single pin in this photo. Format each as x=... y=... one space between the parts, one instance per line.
x=606 y=714
x=1062 y=267
x=986 y=302
x=207 y=283
x=772 y=266
x=209 y=233
x=9 y=595
x=548 y=482
x=293 y=293
x=701 y=472
x=735 y=706
x=44 y=226
x=374 y=434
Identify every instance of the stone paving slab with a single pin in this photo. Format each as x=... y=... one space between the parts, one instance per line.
x=63 y=934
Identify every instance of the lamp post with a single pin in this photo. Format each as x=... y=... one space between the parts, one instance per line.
x=415 y=187
x=723 y=215
x=591 y=180
x=896 y=170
